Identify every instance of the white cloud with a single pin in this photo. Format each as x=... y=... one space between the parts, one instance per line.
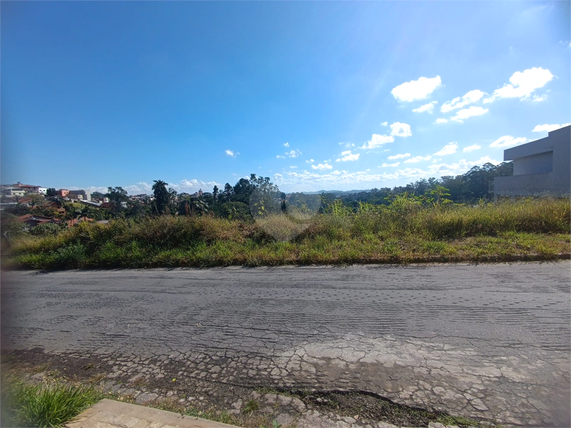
x=305 y=180
x=186 y=186
x=290 y=154
x=347 y=156
x=377 y=141
x=459 y=167
x=310 y=161
x=231 y=153
x=471 y=148
x=441 y=120
x=399 y=156
x=286 y=144
x=391 y=164
x=469 y=112
x=548 y=128
x=347 y=145
x=469 y=98
x=522 y=84
x=508 y=141
x=448 y=149
x=426 y=107
x=539 y=98
x=417 y=159
x=400 y=130
x=416 y=89
x=384 y=123
x=321 y=166
x=293 y=167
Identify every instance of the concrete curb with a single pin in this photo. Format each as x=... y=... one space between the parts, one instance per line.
x=115 y=414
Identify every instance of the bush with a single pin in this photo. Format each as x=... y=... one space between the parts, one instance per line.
x=45 y=405
x=47 y=229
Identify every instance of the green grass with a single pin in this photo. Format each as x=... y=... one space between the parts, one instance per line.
x=44 y=405
x=531 y=229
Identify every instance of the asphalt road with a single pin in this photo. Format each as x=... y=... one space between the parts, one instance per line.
x=488 y=341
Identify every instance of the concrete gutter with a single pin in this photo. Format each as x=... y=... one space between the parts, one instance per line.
x=115 y=414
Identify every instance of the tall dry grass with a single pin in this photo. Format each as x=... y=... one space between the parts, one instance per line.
x=382 y=233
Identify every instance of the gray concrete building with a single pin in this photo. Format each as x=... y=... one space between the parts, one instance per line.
x=541 y=167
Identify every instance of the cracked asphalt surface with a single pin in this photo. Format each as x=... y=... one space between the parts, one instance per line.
x=490 y=341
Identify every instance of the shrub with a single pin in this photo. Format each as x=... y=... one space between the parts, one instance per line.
x=45 y=405
x=47 y=229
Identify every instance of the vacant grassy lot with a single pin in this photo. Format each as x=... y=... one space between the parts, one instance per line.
x=406 y=232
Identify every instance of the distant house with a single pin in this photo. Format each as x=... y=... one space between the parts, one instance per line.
x=33 y=220
x=77 y=194
x=541 y=167
x=13 y=191
x=63 y=192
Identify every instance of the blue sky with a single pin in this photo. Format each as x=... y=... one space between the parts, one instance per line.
x=315 y=95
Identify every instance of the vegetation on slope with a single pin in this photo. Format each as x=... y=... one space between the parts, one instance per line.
x=409 y=229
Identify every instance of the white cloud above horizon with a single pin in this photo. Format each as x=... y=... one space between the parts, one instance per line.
x=425 y=108
x=399 y=156
x=290 y=154
x=448 y=149
x=469 y=112
x=322 y=166
x=416 y=89
x=231 y=153
x=522 y=84
x=286 y=144
x=470 y=98
x=472 y=148
x=399 y=129
x=548 y=128
x=377 y=140
x=347 y=156
x=507 y=141
x=332 y=179
x=417 y=159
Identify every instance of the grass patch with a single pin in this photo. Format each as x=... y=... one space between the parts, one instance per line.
x=536 y=229
x=44 y=405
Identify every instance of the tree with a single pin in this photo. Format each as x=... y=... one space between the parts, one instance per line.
x=116 y=195
x=215 y=191
x=162 y=196
x=51 y=192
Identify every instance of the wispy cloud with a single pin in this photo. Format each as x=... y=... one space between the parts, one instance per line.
x=456 y=103
x=448 y=149
x=347 y=156
x=471 y=148
x=548 y=128
x=507 y=141
x=290 y=154
x=385 y=165
x=399 y=156
x=377 y=141
x=417 y=159
x=425 y=108
x=322 y=166
x=522 y=84
x=286 y=144
x=441 y=120
x=469 y=112
x=416 y=89
x=231 y=153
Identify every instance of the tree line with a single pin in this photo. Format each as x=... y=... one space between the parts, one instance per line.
x=233 y=201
